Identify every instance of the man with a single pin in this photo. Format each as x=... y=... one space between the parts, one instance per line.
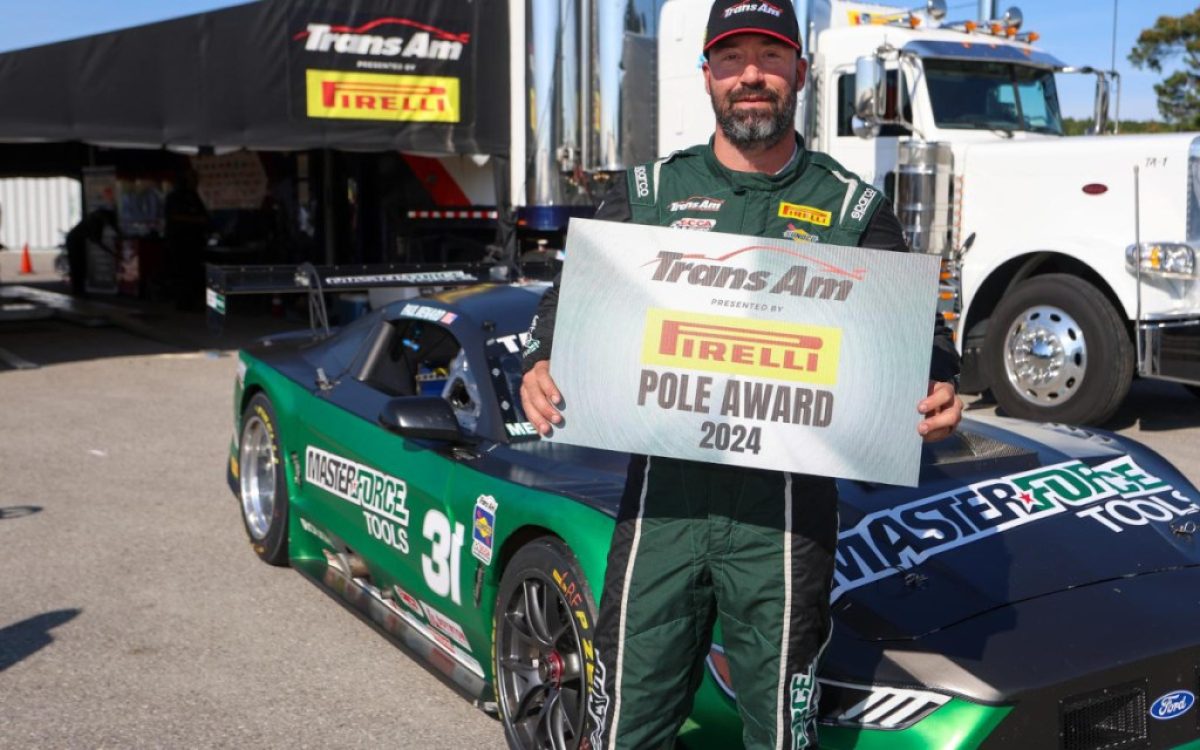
x=694 y=541
x=187 y=224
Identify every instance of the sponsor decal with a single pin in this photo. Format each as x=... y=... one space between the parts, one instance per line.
x=698 y=225
x=215 y=301
x=641 y=181
x=424 y=277
x=336 y=94
x=417 y=40
x=408 y=599
x=802 y=689
x=796 y=234
x=864 y=202
x=696 y=203
x=425 y=312
x=447 y=626
x=757 y=348
x=1172 y=705
x=311 y=529
x=483 y=529
x=804 y=213
x=695 y=269
x=382 y=497
x=753 y=7
x=520 y=429
x=1118 y=495
x=512 y=344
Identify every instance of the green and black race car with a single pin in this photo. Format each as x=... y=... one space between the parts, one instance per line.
x=1038 y=590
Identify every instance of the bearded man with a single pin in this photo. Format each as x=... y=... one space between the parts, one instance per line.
x=696 y=542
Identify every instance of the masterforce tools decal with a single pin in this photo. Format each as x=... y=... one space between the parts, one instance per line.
x=383 y=498
x=1117 y=495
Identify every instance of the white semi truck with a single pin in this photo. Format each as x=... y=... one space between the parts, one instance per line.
x=1054 y=306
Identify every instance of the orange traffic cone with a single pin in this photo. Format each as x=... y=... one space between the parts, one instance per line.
x=26 y=262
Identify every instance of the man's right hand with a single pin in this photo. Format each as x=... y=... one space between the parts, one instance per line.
x=539 y=396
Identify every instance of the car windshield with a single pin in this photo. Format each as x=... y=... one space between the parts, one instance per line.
x=992 y=96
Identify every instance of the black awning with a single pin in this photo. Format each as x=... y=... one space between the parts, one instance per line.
x=424 y=76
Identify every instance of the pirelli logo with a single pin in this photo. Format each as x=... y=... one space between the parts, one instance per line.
x=804 y=213
x=346 y=95
x=737 y=346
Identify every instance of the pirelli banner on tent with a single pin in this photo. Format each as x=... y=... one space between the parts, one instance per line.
x=743 y=350
x=424 y=76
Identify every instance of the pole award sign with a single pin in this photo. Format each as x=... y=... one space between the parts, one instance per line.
x=757 y=352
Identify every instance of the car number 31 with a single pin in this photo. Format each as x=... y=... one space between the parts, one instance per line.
x=441 y=567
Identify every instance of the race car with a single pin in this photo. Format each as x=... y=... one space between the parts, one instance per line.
x=1037 y=590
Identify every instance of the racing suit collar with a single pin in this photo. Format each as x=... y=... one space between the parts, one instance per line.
x=758 y=180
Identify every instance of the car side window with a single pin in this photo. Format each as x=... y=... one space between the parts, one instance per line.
x=421 y=358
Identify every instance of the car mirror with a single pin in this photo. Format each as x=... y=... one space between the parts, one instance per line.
x=421 y=417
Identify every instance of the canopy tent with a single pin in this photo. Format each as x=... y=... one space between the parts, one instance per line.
x=421 y=76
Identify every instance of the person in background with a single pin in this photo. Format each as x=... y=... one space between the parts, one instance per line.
x=187 y=226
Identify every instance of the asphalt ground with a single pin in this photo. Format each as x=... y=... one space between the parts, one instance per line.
x=132 y=611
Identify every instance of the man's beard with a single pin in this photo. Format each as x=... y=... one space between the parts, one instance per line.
x=754 y=128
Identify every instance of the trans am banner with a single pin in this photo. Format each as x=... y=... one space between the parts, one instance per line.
x=423 y=76
x=744 y=350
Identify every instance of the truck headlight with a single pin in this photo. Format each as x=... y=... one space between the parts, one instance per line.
x=1168 y=259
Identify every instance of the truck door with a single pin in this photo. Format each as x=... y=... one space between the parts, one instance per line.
x=874 y=158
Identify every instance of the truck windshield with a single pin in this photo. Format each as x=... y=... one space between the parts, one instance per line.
x=992 y=96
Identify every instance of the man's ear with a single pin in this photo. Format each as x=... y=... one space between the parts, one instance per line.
x=707 y=76
x=801 y=72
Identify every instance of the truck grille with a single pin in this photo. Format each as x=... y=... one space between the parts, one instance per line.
x=1109 y=719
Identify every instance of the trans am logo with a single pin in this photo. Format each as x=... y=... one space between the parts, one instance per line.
x=1118 y=495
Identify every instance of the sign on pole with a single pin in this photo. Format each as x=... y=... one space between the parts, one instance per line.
x=730 y=349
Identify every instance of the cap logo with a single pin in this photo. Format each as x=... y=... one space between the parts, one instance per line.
x=760 y=7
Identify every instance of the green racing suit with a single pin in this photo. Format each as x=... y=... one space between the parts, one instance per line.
x=695 y=542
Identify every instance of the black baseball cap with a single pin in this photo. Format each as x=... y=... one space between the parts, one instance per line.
x=774 y=18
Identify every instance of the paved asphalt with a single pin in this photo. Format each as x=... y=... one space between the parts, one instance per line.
x=133 y=613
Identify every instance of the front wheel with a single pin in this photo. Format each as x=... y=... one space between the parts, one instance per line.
x=262 y=484
x=544 y=619
x=1057 y=351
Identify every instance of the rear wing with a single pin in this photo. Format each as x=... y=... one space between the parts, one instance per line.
x=317 y=281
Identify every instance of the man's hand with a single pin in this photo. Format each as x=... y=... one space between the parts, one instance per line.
x=539 y=396
x=942 y=409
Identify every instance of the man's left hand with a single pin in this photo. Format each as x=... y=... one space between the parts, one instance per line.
x=943 y=411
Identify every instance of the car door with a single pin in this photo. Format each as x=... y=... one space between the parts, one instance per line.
x=408 y=531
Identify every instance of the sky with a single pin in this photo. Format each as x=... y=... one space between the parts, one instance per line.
x=1079 y=32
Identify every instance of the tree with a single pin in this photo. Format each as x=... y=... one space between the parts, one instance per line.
x=1179 y=93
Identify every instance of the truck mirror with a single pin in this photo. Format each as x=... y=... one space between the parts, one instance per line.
x=870 y=89
x=864 y=129
x=935 y=9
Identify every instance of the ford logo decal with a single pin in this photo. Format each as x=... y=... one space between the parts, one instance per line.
x=1172 y=705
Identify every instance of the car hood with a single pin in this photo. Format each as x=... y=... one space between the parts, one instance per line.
x=1006 y=512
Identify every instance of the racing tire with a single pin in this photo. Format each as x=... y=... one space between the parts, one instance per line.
x=543 y=624
x=1056 y=351
x=262 y=484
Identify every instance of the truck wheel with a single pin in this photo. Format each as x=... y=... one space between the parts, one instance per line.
x=543 y=627
x=262 y=484
x=1056 y=351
